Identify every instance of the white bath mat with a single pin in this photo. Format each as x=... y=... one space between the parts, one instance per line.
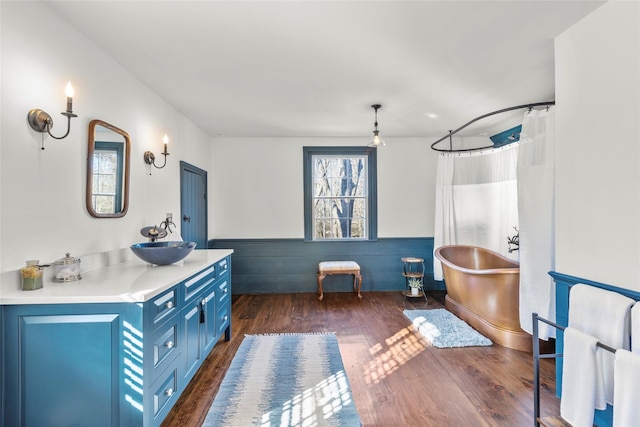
x=444 y=330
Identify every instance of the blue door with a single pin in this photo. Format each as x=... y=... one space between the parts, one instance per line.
x=193 y=204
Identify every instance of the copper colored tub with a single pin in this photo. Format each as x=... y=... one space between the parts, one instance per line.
x=483 y=290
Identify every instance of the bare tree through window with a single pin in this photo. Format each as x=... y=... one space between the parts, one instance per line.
x=339 y=197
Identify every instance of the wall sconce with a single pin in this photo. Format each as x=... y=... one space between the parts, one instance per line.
x=41 y=121
x=150 y=158
x=377 y=141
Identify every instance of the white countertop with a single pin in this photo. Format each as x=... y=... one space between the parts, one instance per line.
x=130 y=281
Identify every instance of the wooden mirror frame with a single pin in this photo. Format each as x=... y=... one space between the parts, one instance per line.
x=125 y=178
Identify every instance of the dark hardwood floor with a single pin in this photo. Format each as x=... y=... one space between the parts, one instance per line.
x=396 y=377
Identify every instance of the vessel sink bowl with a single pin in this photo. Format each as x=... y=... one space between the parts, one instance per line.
x=162 y=253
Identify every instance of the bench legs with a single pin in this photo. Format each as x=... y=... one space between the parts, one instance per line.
x=357 y=281
x=321 y=277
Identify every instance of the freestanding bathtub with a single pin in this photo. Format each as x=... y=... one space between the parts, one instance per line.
x=483 y=290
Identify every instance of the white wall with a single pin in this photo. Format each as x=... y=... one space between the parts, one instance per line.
x=257 y=186
x=598 y=147
x=42 y=207
x=42 y=211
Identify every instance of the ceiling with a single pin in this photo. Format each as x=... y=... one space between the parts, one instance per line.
x=314 y=68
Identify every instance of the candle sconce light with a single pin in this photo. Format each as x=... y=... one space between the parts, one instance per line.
x=150 y=158
x=41 y=121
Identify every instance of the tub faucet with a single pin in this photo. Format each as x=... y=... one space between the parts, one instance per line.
x=514 y=240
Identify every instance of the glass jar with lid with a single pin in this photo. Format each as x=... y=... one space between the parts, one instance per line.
x=31 y=276
x=66 y=269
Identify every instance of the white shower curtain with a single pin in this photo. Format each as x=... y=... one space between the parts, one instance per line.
x=480 y=197
x=476 y=200
x=536 y=210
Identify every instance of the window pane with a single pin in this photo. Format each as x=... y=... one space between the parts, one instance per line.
x=108 y=162
x=340 y=229
x=360 y=209
x=105 y=204
x=358 y=229
x=107 y=184
x=322 y=230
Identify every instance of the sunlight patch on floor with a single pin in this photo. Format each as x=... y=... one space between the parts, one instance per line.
x=428 y=329
x=316 y=405
x=393 y=353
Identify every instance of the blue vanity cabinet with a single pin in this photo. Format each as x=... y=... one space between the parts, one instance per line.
x=119 y=364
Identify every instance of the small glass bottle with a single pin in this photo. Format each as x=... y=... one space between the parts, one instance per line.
x=31 y=276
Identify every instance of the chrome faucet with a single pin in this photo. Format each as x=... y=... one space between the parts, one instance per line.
x=167 y=223
x=155 y=232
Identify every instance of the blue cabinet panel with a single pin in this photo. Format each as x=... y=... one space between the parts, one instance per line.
x=191 y=332
x=208 y=320
x=64 y=358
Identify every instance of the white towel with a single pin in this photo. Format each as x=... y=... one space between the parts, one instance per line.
x=604 y=315
x=635 y=328
x=580 y=378
x=626 y=411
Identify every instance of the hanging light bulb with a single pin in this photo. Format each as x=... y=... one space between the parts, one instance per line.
x=377 y=140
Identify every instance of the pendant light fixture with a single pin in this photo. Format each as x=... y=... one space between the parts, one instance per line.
x=377 y=141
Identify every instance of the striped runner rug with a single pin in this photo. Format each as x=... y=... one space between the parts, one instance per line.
x=286 y=380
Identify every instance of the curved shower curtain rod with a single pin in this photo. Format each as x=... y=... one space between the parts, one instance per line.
x=504 y=110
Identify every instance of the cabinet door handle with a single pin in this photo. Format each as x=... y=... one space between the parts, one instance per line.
x=186 y=219
x=168 y=391
x=169 y=304
x=225 y=318
x=169 y=344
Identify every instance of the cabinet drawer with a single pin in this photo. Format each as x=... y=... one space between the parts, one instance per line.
x=222 y=320
x=165 y=344
x=197 y=283
x=222 y=267
x=223 y=292
x=165 y=392
x=163 y=306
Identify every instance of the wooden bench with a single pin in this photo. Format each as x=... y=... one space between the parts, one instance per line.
x=327 y=268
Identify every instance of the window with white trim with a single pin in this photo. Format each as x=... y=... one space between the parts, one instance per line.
x=340 y=193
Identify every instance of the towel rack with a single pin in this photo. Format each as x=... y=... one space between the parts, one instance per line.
x=536 y=362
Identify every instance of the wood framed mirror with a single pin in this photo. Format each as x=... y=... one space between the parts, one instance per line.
x=108 y=161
